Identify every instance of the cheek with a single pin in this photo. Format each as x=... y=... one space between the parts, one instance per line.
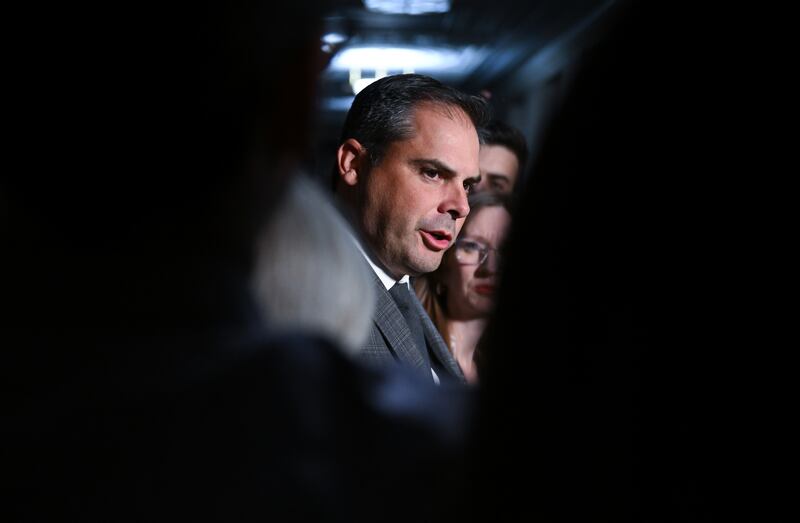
x=466 y=273
x=460 y=300
x=459 y=225
x=460 y=277
x=405 y=204
x=381 y=209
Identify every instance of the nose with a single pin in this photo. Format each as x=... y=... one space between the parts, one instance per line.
x=455 y=202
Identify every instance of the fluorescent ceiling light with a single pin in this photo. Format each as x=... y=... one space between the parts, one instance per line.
x=403 y=59
x=408 y=7
x=333 y=38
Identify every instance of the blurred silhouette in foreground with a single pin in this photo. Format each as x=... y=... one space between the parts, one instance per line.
x=147 y=385
x=308 y=273
x=593 y=385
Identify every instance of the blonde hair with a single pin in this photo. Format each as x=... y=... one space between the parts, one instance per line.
x=433 y=305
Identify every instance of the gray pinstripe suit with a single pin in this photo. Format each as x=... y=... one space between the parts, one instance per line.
x=390 y=339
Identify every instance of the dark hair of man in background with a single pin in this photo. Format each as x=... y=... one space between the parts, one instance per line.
x=498 y=132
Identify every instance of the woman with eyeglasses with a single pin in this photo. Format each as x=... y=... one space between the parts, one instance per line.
x=459 y=296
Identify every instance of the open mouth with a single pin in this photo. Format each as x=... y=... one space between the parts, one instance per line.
x=437 y=240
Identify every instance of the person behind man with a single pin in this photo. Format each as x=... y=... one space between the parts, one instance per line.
x=407 y=160
x=502 y=157
x=459 y=296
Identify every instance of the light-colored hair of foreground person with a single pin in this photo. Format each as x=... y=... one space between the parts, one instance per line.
x=309 y=274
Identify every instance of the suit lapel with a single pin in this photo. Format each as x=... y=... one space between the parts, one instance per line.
x=392 y=325
x=437 y=345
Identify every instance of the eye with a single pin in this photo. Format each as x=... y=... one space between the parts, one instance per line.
x=499 y=184
x=433 y=174
x=470 y=187
x=470 y=246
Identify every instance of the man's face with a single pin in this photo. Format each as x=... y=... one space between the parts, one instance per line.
x=415 y=199
x=499 y=168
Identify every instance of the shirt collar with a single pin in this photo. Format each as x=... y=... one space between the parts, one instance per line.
x=387 y=280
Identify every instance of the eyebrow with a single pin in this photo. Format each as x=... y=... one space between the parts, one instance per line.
x=495 y=176
x=438 y=165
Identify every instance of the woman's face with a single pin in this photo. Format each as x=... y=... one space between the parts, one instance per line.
x=470 y=287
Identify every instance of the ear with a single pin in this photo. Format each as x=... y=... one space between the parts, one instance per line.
x=351 y=161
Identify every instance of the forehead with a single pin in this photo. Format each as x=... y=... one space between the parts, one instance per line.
x=498 y=159
x=446 y=133
x=488 y=222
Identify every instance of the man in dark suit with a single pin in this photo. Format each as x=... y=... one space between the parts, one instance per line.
x=407 y=159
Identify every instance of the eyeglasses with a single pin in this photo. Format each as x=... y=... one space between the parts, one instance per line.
x=469 y=252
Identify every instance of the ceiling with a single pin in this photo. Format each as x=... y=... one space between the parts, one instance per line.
x=483 y=47
x=480 y=43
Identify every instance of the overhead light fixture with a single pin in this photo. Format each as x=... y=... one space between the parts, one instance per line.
x=431 y=60
x=333 y=38
x=331 y=41
x=408 y=7
x=367 y=64
x=358 y=82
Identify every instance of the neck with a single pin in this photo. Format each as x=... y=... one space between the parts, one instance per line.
x=464 y=337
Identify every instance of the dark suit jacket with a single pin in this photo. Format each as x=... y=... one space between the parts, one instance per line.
x=390 y=339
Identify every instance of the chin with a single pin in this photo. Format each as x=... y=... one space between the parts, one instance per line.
x=424 y=266
x=483 y=306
